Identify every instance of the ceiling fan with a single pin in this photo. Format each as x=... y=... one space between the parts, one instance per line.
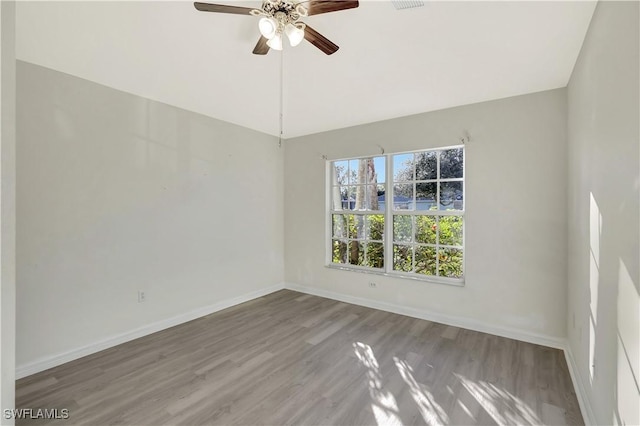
x=282 y=17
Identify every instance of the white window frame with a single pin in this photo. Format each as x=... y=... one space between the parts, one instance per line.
x=389 y=213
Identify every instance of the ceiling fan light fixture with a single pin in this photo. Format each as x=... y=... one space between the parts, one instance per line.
x=294 y=33
x=275 y=42
x=268 y=27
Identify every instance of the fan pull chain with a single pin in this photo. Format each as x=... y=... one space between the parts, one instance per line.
x=281 y=118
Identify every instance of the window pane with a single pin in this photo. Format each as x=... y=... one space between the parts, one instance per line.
x=403 y=197
x=371 y=197
x=348 y=196
x=374 y=168
x=357 y=171
x=336 y=197
x=356 y=253
x=339 y=251
x=375 y=255
x=402 y=231
x=426 y=165
x=380 y=190
x=426 y=260
x=340 y=169
x=339 y=226
x=356 y=226
x=359 y=195
x=403 y=168
x=426 y=230
x=451 y=163
x=402 y=258
x=426 y=194
x=375 y=227
x=450 y=263
x=451 y=197
x=451 y=230
x=379 y=166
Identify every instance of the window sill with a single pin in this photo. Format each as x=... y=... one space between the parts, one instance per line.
x=437 y=280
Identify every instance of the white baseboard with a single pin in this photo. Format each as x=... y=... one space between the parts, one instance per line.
x=578 y=385
x=61 y=358
x=470 y=324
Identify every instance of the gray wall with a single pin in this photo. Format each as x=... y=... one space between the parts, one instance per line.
x=7 y=206
x=118 y=193
x=603 y=214
x=515 y=215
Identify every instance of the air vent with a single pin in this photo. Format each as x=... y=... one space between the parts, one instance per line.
x=406 y=4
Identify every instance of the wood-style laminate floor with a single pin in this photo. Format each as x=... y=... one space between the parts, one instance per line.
x=292 y=359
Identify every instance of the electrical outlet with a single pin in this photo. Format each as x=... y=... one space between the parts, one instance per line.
x=372 y=285
x=142 y=297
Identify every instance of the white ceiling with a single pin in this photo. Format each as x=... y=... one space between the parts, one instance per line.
x=391 y=63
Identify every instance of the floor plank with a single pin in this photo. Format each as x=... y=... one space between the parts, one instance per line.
x=289 y=359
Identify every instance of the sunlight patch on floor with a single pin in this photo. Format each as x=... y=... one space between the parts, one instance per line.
x=384 y=406
x=432 y=413
x=503 y=407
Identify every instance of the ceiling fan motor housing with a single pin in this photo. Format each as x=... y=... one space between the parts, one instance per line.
x=292 y=10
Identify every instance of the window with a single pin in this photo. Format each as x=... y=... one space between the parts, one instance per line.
x=399 y=214
x=357 y=216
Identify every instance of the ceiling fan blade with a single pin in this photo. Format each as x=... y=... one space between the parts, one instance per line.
x=262 y=48
x=222 y=8
x=316 y=7
x=320 y=41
